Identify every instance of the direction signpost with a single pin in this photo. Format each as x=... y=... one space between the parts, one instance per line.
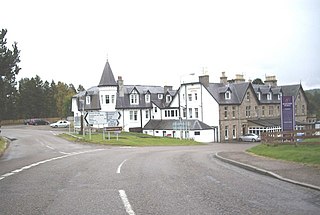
x=108 y=120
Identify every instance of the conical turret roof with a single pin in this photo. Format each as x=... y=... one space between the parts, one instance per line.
x=107 y=78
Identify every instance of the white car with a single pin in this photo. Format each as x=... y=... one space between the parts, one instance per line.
x=60 y=124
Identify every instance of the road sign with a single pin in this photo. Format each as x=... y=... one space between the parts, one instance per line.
x=96 y=118
x=109 y=118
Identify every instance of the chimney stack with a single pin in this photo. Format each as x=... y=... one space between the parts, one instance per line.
x=204 y=79
x=271 y=81
x=120 y=86
x=239 y=79
x=167 y=88
x=224 y=78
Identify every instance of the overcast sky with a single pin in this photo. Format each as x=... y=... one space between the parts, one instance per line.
x=161 y=42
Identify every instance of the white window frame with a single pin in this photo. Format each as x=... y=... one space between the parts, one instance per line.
x=168 y=98
x=134 y=98
x=269 y=96
x=147 y=98
x=88 y=100
x=160 y=96
x=227 y=95
x=133 y=115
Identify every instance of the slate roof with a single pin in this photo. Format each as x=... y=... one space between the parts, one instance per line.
x=142 y=90
x=107 y=78
x=272 y=122
x=238 y=90
x=168 y=124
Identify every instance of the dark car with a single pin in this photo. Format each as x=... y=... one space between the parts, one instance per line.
x=37 y=122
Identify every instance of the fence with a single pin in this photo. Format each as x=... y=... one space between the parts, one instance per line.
x=310 y=136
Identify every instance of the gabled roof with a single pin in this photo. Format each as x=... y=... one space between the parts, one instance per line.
x=107 y=78
x=290 y=90
x=238 y=90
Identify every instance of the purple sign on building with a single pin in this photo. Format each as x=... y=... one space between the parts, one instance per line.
x=287 y=113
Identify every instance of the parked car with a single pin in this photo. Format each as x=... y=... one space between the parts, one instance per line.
x=36 y=122
x=249 y=138
x=60 y=124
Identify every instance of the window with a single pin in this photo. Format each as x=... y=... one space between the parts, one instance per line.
x=233 y=112
x=168 y=98
x=248 y=96
x=155 y=109
x=197 y=133
x=133 y=115
x=176 y=112
x=225 y=112
x=107 y=99
x=262 y=112
x=165 y=113
x=279 y=96
x=134 y=98
x=147 y=114
x=112 y=99
x=256 y=110
x=172 y=113
x=270 y=110
x=234 y=131
x=269 y=96
x=147 y=98
x=190 y=113
x=88 y=100
x=190 y=97
x=196 y=113
x=196 y=96
x=101 y=97
x=259 y=95
x=184 y=112
x=248 y=108
x=226 y=135
x=227 y=95
x=303 y=109
x=160 y=96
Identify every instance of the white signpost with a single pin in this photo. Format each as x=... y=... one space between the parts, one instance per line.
x=109 y=120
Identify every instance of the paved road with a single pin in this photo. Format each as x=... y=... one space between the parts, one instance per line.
x=43 y=174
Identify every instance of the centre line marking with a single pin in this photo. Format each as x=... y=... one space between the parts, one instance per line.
x=46 y=161
x=119 y=167
x=126 y=202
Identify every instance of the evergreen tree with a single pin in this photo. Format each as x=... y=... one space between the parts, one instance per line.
x=9 y=68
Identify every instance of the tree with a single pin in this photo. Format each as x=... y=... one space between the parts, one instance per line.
x=257 y=81
x=9 y=68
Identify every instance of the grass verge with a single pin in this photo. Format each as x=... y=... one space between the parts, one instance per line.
x=130 y=139
x=308 y=154
x=2 y=145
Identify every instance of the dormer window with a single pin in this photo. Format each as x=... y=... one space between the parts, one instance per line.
x=134 y=98
x=168 y=98
x=259 y=96
x=227 y=95
x=160 y=96
x=147 y=98
x=88 y=100
x=269 y=96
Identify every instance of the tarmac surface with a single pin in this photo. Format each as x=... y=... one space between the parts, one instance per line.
x=300 y=174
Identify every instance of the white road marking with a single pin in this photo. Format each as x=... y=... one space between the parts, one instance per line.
x=45 y=161
x=119 y=167
x=49 y=147
x=126 y=202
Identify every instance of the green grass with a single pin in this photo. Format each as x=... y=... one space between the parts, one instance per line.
x=130 y=139
x=2 y=145
x=308 y=154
